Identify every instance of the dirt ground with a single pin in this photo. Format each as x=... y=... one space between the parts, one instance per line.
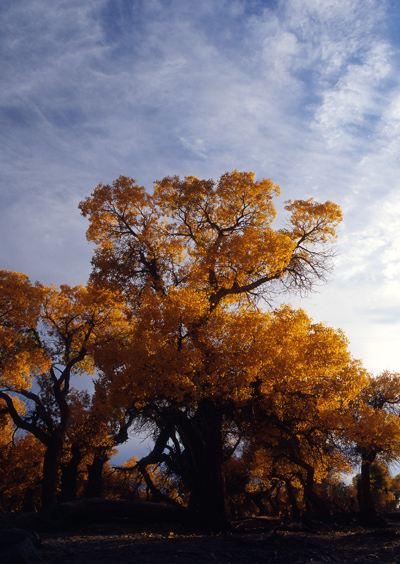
x=123 y=543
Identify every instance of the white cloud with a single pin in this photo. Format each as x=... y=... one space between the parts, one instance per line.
x=302 y=91
x=354 y=100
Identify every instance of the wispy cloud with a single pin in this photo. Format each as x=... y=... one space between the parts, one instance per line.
x=303 y=91
x=351 y=111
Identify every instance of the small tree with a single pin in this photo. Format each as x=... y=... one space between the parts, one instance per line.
x=374 y=431
x=305 y=382
x=45 y=338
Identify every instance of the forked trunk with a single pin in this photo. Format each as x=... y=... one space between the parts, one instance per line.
x=315 y=505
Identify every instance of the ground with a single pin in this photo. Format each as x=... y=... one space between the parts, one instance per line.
x=124 y=543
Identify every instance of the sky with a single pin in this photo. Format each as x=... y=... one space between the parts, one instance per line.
x=305 y=92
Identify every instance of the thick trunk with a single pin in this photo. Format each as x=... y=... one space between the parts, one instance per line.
x=296 y=515
x=315 y=505
x=95 y=475
x=368 y=515
x=69 y=476
x=202 y=439
x=50 y=475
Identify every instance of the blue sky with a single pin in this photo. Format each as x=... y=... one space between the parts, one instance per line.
x=306 y=92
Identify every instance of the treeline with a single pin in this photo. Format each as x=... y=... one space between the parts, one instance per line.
x=250 y=491
x=252 y=409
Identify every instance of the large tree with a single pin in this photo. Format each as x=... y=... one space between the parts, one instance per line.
x=192 y=261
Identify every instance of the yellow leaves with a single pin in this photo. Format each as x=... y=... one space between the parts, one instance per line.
x=175 y=196
x=20 y=474
x=7 y=428
x=42 y=328
x=315 y=221
x=376 y=429
x=20 y=307
x=220 y=356
x=308 y=356
x=383 y=391
x=226 y=229
x=20 y=301
x=113 y=209
x=80 y=316
x=214 y=238
x=301 y=371
x=245 y=200
x=18 y=370
x=372 y=420
x=245 y=257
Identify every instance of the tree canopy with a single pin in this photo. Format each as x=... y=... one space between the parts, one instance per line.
x=180 y=328
x=45 y=337
x=192 y=261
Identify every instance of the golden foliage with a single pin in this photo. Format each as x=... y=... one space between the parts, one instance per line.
x=372 y=422
x=20 y=474
x=200 y=237
x=170 y=324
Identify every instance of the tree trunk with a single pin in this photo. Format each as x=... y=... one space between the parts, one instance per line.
x=95 y=474
x=202 y=438
x=69 y=476
x=368 y=514
x=318 y=505
x=50 y=475
x=296 y=515
x=315 y=506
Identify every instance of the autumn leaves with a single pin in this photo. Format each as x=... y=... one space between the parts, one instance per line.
x=172 y=322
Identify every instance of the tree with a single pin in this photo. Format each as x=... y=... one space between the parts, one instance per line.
x=21 y=459
x=383 y=487
x=20 y=306
x=192 y=260
x=95 y=428
x=45 y=338
x=373 y=430
x=21 y=463
x=305 y=381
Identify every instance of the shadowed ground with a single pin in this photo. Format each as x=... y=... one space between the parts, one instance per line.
x=106 y=531
x=123 y=544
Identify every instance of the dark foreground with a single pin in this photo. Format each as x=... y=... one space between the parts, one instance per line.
x=123 y=543
x=125 y=532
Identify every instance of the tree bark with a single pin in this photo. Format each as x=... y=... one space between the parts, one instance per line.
x=69 y=476
x=50 y=475
x=95 y=474
x=202 y=438
x=368 y=514
x=296 y=515
x=314 y=504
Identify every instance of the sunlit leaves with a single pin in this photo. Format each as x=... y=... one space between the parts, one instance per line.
x=373 y=423
x=47 y=336
x=213 y=237
x=170 y=322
